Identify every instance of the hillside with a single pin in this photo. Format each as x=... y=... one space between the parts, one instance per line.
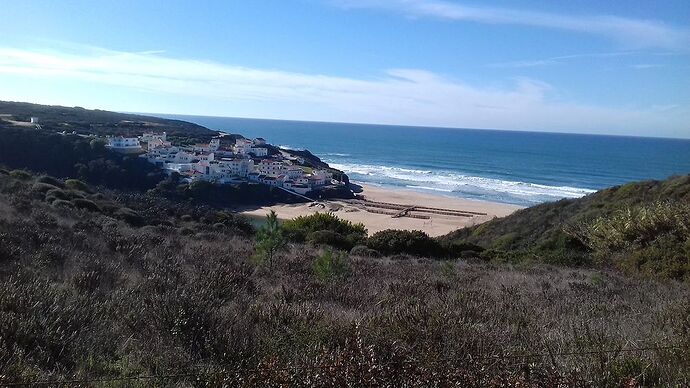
x=99 y=285
x=67 y=146
x=98 y=122
x=552 y=232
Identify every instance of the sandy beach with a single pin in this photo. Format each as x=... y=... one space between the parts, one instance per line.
x=383 y=208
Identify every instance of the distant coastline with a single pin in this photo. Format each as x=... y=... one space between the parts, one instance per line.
x=514 y=167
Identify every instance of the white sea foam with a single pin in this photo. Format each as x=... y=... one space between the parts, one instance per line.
x=451 y=182
x=429 y=188
x=336 y=154
x=290 y=148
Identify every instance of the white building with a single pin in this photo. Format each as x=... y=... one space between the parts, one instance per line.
x=258 y=151
x=296 y=187
x=158 y=143
x=294 y=172
x=271 y=181
x=272 y=167
x=34 y=120
x=243 y=146
x=259 y=141
x=148 y=136
x=205 y=156
x=124 y=144
x=236 y=167
x=162 y=154
x=183 y=157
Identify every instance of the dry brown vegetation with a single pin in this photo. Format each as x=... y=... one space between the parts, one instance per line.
x=85 y=294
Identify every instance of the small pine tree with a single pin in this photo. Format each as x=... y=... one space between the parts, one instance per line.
x=269 y=240
x=330 y=265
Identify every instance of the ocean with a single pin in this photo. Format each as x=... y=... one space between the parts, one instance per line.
x=523 y=168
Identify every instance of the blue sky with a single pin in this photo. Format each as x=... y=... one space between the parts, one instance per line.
x=586 y=66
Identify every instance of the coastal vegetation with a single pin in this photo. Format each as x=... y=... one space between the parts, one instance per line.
x=640 y=227
x=93 y=287
x=326 y=229
x=111 y=270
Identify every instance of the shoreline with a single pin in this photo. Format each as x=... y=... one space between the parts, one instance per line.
x=384 y=208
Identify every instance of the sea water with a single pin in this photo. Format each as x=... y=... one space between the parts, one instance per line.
x=523 y=168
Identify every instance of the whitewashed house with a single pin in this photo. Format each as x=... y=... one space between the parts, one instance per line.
x=236 y=167
x=271 y=167
x=123 y=144
x=259 y=152
x=158 y=143
x=183 y=157
x=205 y=156
x=243 y=146
x=294 y=172
x=149 y=136
x=271 y=181
x=298 y=188
x=162 y=154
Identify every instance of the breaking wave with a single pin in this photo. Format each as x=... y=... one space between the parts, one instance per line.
x=290 y=148
x=467 y=186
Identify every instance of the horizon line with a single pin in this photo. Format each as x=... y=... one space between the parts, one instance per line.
x=551 y=132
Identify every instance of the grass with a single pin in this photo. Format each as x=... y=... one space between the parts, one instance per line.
x=611 y=226
x=84 y=294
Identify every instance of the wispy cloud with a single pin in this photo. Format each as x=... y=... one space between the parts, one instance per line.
x=631 y=33
x=564 y=58
x=644 y=66
x=398 y=96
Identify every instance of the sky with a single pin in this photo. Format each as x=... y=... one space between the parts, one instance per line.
x=587 y=66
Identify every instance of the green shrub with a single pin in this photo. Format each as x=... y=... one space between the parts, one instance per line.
x=56 y=194
x=75 y=194
x=413 y=242
x=51 y=181
x=300 y=228
x=333 y=239
x=463 y=249
x=238 y=223
x=130 y=216
x=4 y=172
x=650 y=240
x=43 y=187
x=62 y=203
x=108 y=207
x=20 y=175
x=269 y=240
x=364 y=251
x=85 y=204
x=76 y=184
x=330 y=265
x=635 y=225
x=186 y=231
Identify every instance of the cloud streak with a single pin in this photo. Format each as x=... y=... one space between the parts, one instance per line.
x=398 y=96
x=631 y=33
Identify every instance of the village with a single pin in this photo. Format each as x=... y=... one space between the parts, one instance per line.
x=247 y=161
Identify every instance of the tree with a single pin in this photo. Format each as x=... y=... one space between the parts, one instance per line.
x=269 y=240
x=330 y=265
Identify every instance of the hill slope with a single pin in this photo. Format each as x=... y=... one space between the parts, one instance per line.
x=96 y=285
x=65 y=147
x=98 y=122
x=552 y=232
